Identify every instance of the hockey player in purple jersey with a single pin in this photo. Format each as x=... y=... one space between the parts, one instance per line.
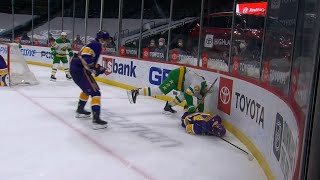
x=203 y=124
x=4 y=76
x=82 y=66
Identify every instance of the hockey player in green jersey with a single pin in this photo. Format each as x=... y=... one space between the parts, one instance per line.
x=58 y=50
x=189 y=83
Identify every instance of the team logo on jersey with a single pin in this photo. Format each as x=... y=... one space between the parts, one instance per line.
x=225 y=95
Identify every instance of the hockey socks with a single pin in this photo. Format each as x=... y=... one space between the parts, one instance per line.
x=54 y=71
x=150 y=91
x=81 y=112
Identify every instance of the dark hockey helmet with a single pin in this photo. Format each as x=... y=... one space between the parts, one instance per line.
x=102 y=35
x=218 y=130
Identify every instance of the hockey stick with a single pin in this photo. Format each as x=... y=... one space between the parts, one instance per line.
x=249 y=156
x=210 y=87
x=205 y=94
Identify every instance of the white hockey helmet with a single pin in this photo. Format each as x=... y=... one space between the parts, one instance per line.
x=63 y=33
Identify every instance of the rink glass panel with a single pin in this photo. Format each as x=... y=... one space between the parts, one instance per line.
x=155 y=26
x=305 y=64
x=93 y=19
x=41 y=25
x=130 y=28
x=182 y=48
x=55 y=18
x=23 y=13
x=79 y=25
x=215 y=35
x=277 y=59
x=6 y=21
x=110 y=22
x=247 y=38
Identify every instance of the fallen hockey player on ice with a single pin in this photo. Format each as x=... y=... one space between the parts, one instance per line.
x=203 y=124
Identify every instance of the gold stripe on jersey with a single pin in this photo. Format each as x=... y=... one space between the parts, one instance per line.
x=189 y=92
x=180 y=78
x=61 y=55
x=91 y=81
x=3 y=72
x=189 y=129
x=87 y=51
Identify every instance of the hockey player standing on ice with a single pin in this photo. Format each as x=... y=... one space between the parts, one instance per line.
x=203 y=124
x=82 y=66
x=181 y=79
x=58 y=50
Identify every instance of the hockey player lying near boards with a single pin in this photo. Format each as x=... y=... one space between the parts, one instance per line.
x=203 y=124
x=182 y=79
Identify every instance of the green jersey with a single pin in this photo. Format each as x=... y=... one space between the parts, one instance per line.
x=61 y=46
x=184 y=80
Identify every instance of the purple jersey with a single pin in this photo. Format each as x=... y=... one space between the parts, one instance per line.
x=3 y=64
x=203 y=123
x=90 y=53
x=4 y=77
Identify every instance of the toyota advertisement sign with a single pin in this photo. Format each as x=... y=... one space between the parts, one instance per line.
x=225 y=95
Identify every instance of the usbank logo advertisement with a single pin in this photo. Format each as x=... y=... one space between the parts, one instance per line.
x=158 y=75
x=225 y=95
x=114 y=66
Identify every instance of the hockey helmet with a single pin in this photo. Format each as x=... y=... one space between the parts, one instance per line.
x=63 y=33
x=102 y=35
x=218 y=130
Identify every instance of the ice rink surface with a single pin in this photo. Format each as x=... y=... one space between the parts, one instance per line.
x=41 y=139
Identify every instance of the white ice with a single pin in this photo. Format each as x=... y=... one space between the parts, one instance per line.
x=41 y=139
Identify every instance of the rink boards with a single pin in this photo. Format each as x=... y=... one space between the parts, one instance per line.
x=269 y=125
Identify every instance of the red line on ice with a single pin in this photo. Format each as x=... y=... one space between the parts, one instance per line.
x=103 y=148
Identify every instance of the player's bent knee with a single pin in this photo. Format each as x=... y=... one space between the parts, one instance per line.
x=95 y=93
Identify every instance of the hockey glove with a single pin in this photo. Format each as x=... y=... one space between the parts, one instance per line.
x=200 y=99
x=99 y=70
x=53 y=52
x=70 y=53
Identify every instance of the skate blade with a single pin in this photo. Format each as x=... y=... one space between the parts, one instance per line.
x=98 y=126
x=168 y=112
x=82 y=115
x=130 y=96
x=54 y=80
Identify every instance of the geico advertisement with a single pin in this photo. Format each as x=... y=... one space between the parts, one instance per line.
x=38 y=54
x=30 y=53
x=266 y=120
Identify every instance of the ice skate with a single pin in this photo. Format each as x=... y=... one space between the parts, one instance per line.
x=68 y=76
x=168 y=109
x=82 y=113
x=132 y=95
x=53 y=78
x=97 y=123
